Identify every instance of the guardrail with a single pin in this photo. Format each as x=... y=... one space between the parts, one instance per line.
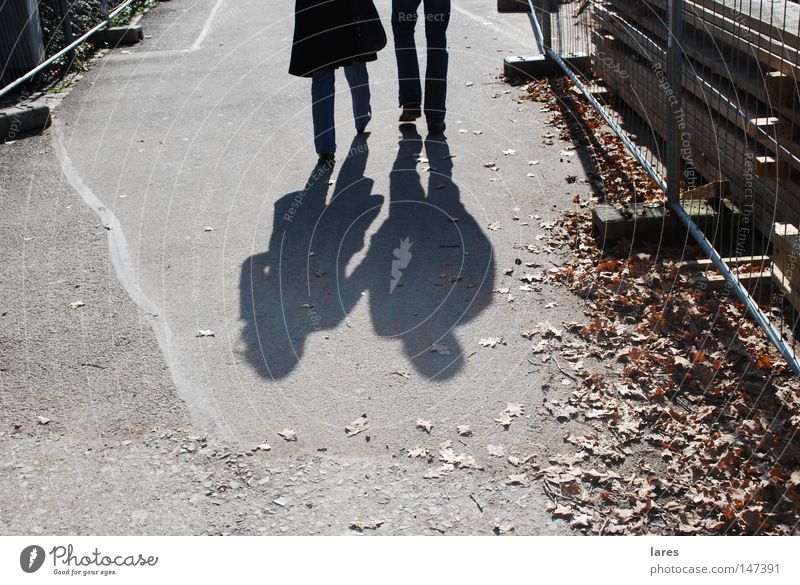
x=36 y=35
x=704 y=95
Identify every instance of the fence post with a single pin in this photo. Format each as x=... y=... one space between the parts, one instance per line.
x=542 y=9
x=673 y=95
x=66 y=26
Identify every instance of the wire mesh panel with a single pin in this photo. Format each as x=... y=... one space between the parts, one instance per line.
x=36 y=34
x=704 y=94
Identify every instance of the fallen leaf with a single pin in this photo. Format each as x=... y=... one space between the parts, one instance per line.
x=520 y=479
x=440 y=349
x=205 y=333
x=357 y=426
x=561 y=511
x=514 y=409
x=288 y=435
x=509 y=151
x=581 y=521
x=492 y=341
x=418 y=453
x=426 y=425
x=504 y=528
x=495 y=225
x=464 y=430
x=42 y=420
x=504 y=420
x=496 y=450
x=77 y=304
x=362 y=526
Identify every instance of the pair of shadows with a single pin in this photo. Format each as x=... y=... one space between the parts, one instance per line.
x=428 y=269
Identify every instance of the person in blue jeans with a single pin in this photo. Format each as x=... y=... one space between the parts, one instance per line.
x=325 y=38
x=322 y=105
x=404 y=19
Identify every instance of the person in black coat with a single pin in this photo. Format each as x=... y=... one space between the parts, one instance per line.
x=326 y=38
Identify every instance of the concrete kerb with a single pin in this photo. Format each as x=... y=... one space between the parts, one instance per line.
x=510 y=6
x=119 y=35
x=19 y=121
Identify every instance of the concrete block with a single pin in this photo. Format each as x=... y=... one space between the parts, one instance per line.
x=644 y=221
x=508 y=6
x=18 y=121
x=516 y=67
x=119 y=35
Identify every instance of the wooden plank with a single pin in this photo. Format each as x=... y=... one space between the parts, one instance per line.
x=762 y=193
x=715 y=138
x=706 y=264
x=752 y=281
x=786 y=247
x=712 y=190
x=783 y=284
x=769 y=50
x=771 y=131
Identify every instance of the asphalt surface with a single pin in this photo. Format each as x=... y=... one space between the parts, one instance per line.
x=176 y=193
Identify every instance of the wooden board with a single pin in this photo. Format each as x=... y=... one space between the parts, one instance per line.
x=721 y=166
x=786 y=247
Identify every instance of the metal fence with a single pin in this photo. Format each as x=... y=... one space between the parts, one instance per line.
x=38 y=35
x=704 y=94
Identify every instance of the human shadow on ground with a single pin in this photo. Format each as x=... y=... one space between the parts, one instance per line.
x=297 y=287
x=428 y=269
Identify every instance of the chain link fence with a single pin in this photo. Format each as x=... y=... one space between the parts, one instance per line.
x=704 y=95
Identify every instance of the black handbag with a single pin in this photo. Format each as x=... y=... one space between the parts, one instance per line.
x=370 y=35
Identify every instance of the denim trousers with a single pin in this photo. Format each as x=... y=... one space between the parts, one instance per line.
x=404 y=19
x=323 y=89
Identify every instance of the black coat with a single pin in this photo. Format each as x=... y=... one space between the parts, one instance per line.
x=324 y=37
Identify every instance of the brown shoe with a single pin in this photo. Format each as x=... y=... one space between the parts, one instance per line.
x=410 y=113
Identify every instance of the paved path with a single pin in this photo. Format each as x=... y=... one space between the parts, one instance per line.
x=195 y=149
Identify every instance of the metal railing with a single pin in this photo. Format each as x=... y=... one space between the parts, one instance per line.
x=704 y=93
x=38 y=35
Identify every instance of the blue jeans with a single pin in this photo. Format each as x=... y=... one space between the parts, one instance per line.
x=404 y=19
x=323 y=88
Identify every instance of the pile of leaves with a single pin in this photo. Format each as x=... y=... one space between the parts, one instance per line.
x=694 y=429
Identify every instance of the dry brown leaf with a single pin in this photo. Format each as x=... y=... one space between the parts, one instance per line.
x=441 y=349
x=496 y=450
x=357 y=426
x=517 y=479
x=362 y=526
x=503 y=528
x=425 y=425
x=514 y=409
x=288 y=435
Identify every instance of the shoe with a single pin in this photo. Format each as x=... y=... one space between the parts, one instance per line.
x=410 y=113
x=437 y=128
x=326 y=158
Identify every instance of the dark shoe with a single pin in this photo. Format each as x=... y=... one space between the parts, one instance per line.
x=410 y=113
x=437 y=128
x=326 y=158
